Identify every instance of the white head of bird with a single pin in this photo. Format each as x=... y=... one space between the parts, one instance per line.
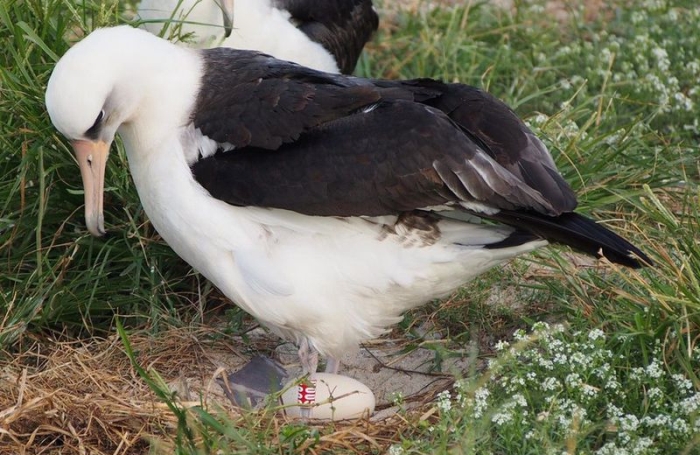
x=122 y=80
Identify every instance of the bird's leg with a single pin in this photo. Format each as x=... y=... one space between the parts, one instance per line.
x=332 y=365
x=308 y=356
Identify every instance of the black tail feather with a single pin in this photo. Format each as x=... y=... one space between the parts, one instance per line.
x=578 y=232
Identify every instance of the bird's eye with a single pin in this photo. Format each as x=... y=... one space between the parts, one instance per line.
x=94 y=129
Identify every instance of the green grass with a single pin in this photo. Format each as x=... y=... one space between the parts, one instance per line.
x=55 y=274
x=617 y=100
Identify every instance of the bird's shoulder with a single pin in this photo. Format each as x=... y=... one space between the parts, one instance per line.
x=251 y=99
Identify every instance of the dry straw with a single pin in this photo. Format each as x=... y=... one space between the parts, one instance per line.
x=84 y=397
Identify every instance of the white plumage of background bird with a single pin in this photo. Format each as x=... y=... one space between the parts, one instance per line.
x=323 y=205
x=326 y=35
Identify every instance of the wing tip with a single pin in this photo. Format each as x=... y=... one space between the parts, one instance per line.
x=633 y=257
x=578 y=232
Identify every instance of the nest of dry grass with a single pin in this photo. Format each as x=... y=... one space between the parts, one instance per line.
x=84 y=397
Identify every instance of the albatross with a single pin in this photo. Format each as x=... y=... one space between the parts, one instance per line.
x=326 y=35
x=323 y=205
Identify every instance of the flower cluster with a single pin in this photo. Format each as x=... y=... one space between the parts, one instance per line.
x=646 y=59
x=651 y=59
x=551 y=385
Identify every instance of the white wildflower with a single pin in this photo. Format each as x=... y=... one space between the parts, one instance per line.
x=444 y=402
x=680 y=426
x=519 y=399
x=641 y=445
x=540 y=326
x=557 y=345
x=629 y=422
x=693 y=67
x=672 y=15
x=613 y=411
x=501 y=418
x=545 y=363
x=654 y=5
x=655 y=393
x=683 y=101
x=602 y=370
x=612 y=384
x=691 y=405
x=501 y=345
x=462 y=393
x=661 y=56
x=660 y=420
x=579 y=358
x=563 y=51
x=550 y=384
x=611 y=448
x=577 y=80
x=520 y=334
x=682 y=382
x=573 y=380
x=481 y=396
x=654 y=369
x=638 y=16
x=589 y=390
x=597 y=334
x=636 y=373
x=536 y=8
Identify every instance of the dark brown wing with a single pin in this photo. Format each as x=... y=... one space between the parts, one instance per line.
x=252 y=99
x=394 y=156
x=499 y=132
x=333 y=126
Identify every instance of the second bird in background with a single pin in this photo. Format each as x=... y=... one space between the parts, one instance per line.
x=326 y=35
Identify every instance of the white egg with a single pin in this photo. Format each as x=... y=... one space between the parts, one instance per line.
x=327 y=396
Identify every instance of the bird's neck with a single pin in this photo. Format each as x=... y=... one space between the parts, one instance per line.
x=153 y=139
x=162 y=87
x=193 y=223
